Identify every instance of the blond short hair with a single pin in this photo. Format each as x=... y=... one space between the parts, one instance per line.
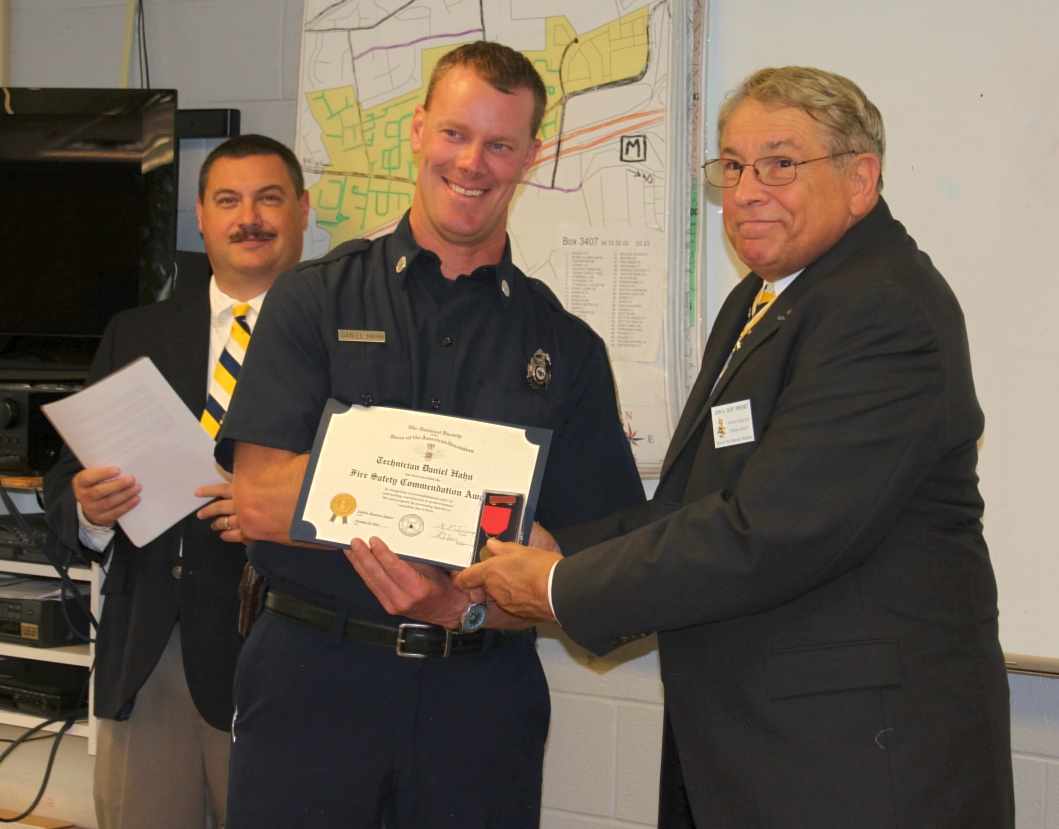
x=500 y=66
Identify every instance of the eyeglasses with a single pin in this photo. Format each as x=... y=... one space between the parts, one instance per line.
x=773 y=170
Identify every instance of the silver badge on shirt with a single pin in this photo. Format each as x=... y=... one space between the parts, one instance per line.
x=539 y=370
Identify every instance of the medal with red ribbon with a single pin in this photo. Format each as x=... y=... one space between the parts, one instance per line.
x=496 y=514
x=499 y=517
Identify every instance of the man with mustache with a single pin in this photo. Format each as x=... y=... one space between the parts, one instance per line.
x=337 y=724
x=167 y=641
x=813 y=559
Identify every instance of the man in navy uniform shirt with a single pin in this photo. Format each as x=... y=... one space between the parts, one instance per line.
x=333 y=727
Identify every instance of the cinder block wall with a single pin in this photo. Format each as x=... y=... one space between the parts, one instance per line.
x=602 y=761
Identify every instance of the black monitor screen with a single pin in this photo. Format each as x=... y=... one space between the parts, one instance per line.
x=88 y=215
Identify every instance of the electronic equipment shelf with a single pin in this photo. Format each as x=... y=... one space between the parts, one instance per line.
x=66 y=654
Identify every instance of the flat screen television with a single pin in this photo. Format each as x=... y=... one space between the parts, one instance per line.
x=88 y=193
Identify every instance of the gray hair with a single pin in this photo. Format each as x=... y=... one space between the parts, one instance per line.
x=851 y=121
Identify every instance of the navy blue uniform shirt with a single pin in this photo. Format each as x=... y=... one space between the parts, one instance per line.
x=459 y=347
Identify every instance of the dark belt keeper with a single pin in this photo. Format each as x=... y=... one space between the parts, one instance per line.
x=251 y=598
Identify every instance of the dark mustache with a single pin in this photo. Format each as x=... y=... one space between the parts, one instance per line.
x=252 y=233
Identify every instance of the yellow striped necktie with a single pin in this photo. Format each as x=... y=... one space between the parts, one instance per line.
x=226 y=372
x=766 y=295
x=764 y=298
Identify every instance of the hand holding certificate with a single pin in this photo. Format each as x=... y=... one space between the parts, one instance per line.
x=432 y=487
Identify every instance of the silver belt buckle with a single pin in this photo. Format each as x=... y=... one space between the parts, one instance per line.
x=401 y=641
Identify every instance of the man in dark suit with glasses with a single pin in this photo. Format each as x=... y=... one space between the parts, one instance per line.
x=813 y=559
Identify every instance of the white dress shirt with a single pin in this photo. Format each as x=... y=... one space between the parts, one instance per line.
x=96 y=537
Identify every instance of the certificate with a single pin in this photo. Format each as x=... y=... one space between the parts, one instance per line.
x=433 y=487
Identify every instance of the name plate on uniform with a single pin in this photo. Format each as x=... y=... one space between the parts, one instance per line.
x=433 y=487
x=353 y=335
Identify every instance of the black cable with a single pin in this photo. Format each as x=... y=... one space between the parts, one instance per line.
x=71 y=590
x=143 y=48
x=68 y=589
x=36 y=739
x=75 y=595
x=68 y=718
x=68 y=723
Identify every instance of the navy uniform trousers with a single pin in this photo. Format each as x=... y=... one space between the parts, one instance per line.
x=343 y=733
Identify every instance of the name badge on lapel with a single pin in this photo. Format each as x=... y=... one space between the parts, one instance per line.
x=732 y=424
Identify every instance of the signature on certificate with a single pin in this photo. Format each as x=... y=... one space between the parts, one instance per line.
x=453 y=532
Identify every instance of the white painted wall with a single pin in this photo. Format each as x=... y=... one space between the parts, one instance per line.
x=601 y=768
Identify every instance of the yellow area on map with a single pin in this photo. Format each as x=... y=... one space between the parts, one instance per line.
x=369 y=183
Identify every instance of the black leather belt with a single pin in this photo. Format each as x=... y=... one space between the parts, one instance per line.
x=411 y=639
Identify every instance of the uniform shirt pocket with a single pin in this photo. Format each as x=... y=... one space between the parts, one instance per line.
x=372 y=374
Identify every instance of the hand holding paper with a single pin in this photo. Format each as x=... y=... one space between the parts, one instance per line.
x=221 y=512
x=133 y=421
x=105 y=494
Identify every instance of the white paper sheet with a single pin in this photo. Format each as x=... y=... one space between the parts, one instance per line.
x=134 y=420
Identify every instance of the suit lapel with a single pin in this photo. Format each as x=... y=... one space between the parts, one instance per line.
x=780 y=312
x=188 y=349
x=726 y=328
x=785 y=305
x=874 y=227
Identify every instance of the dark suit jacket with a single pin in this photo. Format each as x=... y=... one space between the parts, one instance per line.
x=142 y=598
x=823 y=594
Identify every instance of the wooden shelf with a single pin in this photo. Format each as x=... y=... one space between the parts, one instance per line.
x=27 y=482
x=63 y=654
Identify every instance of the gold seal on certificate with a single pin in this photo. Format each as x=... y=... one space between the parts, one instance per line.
x=343 y=505
x=433 y=487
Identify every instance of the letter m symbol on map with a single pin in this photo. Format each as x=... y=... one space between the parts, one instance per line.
x=633 y=148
